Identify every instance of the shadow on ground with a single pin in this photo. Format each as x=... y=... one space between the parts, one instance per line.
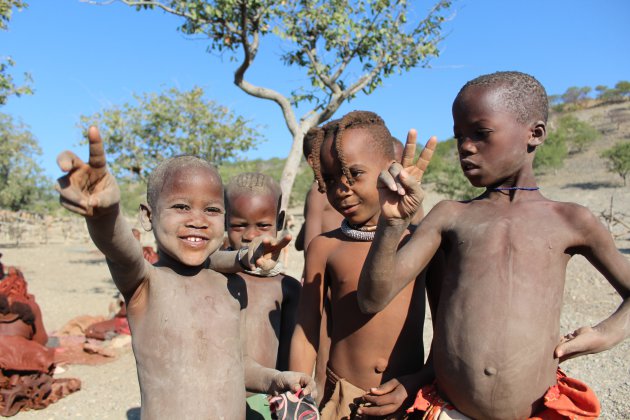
x=591 y=185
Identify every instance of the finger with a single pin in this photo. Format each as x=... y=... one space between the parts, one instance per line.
x=409 y=153
x=377 y=410
x=394 y=171
x=386 y=180
x=426 y=155
x=72 y=206
x=385 y=388
x=380 y=399
x=67 y=161
x=71 y=194
x=97 y=152
x=282 y=242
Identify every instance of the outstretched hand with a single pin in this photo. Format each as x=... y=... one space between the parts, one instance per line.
x=88 y=188
x=584 y=340
x=264 y=251
x=399 y=186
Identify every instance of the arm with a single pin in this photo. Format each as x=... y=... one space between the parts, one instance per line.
x=263 y=252
x=598 y=247
x=387 y=270
x=291 y=295
x=91 y=191
x=305 y=341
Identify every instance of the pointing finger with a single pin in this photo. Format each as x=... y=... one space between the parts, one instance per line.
x=97 y=152
x=410 y=148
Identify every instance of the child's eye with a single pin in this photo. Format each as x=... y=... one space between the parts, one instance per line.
x=355 y=173
x=181 y=206
x=213 y=210
x=482 y=134
x=264 y=226
x=236 y=228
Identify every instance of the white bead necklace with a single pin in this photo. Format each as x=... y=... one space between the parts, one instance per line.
x=364 y=234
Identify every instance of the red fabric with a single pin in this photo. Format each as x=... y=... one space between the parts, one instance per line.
x=149 y=254
x=568 y=399
x=14 y=287
x=20 y=354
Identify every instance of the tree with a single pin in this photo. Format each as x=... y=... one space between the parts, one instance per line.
x=577 y=134
x=618 y=159
x=551 y=154
x=345 y=47
x=22 y=183
x=623 y=88
x=574 y=95
x=7 y=85
x=171 y=123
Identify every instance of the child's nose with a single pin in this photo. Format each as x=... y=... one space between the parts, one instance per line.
x=342 y=186
x=250 y=233
x=466 y=147
x=198 y=219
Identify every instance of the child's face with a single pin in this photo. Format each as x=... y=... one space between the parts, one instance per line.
x=358 y=203
x=492 y=143
x=188 y=221
x=249 y=216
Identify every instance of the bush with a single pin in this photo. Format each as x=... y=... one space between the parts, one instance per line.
x=618 y=159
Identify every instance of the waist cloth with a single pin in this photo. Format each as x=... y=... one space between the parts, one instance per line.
x=569 y=398
x=341 y=399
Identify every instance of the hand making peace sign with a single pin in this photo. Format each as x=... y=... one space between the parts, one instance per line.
x=88 y=188
x=399 y=187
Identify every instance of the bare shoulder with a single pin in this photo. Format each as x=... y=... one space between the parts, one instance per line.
x=324 y=242
x=445 y=211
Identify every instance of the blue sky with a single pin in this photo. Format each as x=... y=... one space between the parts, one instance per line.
x=84 y=58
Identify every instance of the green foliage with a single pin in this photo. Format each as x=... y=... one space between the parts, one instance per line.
x=7 y=84
x=576 y=134
x=552 y=153
x=139 y=136
x=445 y=172
x=618 y=159
x=22 y=185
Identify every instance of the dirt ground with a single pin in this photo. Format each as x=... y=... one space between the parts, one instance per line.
x=69 y=278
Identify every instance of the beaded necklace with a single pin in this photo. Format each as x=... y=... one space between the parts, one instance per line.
x=364 y=233
x=515 y=188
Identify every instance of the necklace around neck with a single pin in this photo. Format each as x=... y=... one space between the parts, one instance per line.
x=515 y=189
x=364 y=234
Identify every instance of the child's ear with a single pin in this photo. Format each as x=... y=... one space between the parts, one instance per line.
x=538 y=134
x=145 y=217
x=280 y=222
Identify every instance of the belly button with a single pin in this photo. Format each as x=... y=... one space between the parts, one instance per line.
x=381 y=365
x=490 y=371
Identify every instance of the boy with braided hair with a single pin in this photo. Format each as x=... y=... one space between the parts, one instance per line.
x=253 y=209
x=375 y=361
x=187 y=322
x=496 y=344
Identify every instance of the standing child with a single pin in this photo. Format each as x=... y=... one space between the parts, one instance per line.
x=378 y=355
x=496 y=344
x=253 y=209
x=186 y=324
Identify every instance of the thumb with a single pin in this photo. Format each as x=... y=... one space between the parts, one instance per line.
x=385 y=388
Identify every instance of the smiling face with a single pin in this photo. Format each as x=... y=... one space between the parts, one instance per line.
x=189 y=215
x=359 y=202
x=249 y=216
x=494 y=147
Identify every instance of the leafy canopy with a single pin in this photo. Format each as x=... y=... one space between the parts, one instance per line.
x=618 y=159
x=7 y=85
x=158 y=126
x=22 y=183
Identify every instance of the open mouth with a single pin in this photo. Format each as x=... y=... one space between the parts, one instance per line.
x=349 y=209
x=194 y=241
x=468 y=166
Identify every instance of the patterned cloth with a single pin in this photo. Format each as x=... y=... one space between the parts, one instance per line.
x=568 y=399
x=293 y=406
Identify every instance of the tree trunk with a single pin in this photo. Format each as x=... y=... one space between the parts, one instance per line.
x=289 y=173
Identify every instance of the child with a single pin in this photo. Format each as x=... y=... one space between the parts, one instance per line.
x=185 y=322
x=253 y=209
x=365 y=351
x=495 y=346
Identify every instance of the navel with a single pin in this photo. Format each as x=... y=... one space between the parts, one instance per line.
x=381 y=365
x=490 y=371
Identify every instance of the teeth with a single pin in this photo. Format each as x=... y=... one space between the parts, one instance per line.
x=193 y=239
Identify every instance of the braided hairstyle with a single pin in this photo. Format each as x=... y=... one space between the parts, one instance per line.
x=371 y=122
x=253 y=183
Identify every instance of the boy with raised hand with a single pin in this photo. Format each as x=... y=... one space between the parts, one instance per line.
x=496 y=344
x=186 y=324
x=253 y=210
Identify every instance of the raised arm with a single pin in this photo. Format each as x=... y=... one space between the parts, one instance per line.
x=386 y=270
x=597 y=245
x=305 y=341
x=261 y=254
x=90 y=190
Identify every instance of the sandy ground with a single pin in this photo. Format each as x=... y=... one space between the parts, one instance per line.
x=70 y=278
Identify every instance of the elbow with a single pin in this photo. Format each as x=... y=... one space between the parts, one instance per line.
x=368 y=305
